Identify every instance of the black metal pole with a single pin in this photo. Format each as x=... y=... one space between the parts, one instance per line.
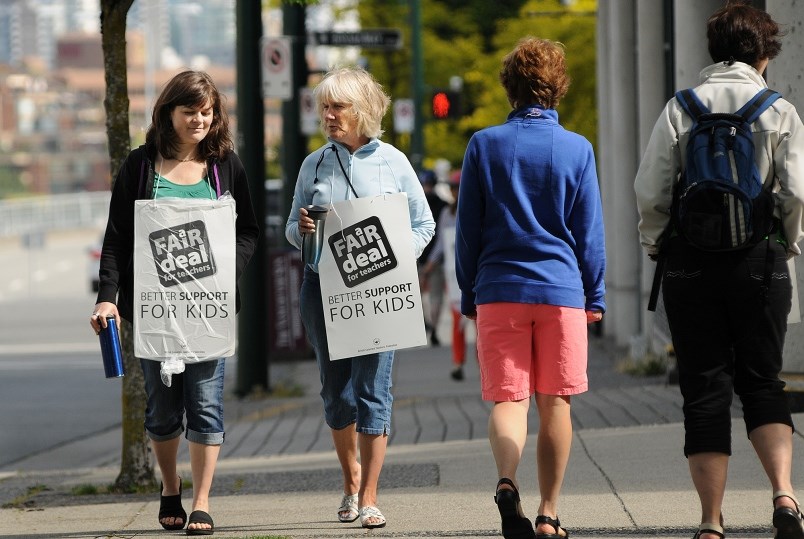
x=417 y=139
x=252 y=352
x=294 y=143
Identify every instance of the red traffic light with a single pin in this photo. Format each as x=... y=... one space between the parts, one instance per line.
x=442 y=105
x=445 y=104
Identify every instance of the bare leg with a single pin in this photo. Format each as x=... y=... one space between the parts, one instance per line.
x=508 y=429
x=203 y=459
x=372 y=456
x=345 y=441
x=773 y=444
x=165 y=453
x=552 y=452
x=709 y=472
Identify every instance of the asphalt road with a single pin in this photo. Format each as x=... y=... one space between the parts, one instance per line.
x=52 y=386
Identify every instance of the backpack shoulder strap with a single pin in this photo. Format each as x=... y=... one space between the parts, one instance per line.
x=689 y=102
x=758 y=104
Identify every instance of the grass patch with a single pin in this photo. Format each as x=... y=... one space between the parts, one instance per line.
x=85 y=490
x=279 y=390
x=650 y=365
x=238 y=485
x=25 y=500
x=285 y=389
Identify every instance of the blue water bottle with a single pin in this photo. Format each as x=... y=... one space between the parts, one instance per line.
x=110 y=349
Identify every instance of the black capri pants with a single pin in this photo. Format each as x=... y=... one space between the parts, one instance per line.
x=728 y=324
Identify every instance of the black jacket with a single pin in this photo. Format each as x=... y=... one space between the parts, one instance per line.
x=134 y=179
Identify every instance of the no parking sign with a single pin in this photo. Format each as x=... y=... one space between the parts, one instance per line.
x=276 y=72
x=403 y=115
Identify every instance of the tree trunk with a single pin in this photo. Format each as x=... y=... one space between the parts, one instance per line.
x=136 y=468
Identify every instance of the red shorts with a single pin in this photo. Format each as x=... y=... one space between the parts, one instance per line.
x=531 y=348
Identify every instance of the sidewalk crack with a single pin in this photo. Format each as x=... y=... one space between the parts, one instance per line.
x=609 y=482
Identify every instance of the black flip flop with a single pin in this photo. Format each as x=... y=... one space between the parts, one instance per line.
x=200 y=517
x=170 y=506
x=555 y=523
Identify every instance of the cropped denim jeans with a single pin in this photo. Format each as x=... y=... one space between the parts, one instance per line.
x=356 y=389
x=196 y=393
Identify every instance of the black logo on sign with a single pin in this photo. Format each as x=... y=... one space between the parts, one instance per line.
x=182 y=253
x=362 y=251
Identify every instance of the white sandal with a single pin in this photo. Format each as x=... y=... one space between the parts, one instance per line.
x=370 y=512
x=348 y=511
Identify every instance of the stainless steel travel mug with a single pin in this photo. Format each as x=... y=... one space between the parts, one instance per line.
x=110 y=349
x=313 y=244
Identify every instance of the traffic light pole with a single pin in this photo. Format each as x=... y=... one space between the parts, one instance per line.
x=417 y=141
x=294 y=143
x=252 y=321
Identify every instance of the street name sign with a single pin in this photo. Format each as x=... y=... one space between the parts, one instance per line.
x=378 y=38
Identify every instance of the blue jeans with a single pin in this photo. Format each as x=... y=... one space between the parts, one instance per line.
x=356 y=389
x=197 y=392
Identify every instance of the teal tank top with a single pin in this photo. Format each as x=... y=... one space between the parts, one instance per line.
x=164 y=188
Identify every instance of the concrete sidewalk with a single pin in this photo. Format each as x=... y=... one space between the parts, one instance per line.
x=279 y=477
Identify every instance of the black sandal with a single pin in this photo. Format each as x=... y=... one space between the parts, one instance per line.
x=555 y=523
x=789 y=522
x=170 y=506
x=514 y=524
x=711 y=528
x=200 y=517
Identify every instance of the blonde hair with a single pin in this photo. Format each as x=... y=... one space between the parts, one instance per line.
x=356 y=87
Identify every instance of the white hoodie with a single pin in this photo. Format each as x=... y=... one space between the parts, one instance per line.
x=778 y=148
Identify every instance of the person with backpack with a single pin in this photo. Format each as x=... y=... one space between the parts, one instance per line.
x=720 y=195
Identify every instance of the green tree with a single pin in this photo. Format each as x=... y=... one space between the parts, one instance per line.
x=450 y=46
x=468 y=39
x=136 y=469
x=10 y=183
x=574 y=26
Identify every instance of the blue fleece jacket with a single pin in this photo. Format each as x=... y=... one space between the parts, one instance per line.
x=530 y=220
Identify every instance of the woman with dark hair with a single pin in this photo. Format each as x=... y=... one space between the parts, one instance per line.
x=188 y=153
x=530 y=262
x=727 y=320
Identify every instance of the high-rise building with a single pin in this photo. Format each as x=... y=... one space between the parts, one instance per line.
x=192 y=33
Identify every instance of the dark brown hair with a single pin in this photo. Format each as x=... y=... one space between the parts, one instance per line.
x=740 y=32
x=190 y=89
x=535 y=72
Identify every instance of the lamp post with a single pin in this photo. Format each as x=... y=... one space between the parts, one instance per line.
x=417 y=140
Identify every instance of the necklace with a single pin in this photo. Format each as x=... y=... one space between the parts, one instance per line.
x=187 y=160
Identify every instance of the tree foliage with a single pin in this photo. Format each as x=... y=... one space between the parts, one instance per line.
x=468 y=39
x=136 y=469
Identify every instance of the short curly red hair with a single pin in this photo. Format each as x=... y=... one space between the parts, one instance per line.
x=535 y=72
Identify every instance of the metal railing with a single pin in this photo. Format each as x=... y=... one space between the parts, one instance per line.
x=41 y=213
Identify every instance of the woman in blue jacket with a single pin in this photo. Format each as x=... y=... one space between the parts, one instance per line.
x=530 y=260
